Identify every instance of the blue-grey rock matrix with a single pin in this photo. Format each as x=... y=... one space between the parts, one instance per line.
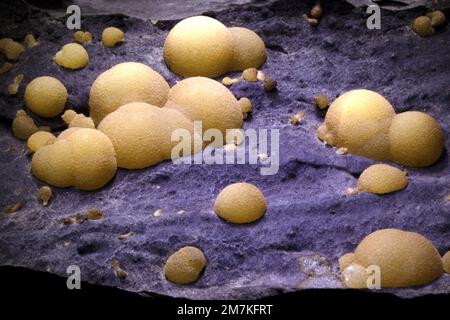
x=310 y=222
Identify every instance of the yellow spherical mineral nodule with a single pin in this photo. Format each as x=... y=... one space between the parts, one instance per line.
x=249 y=49
x=82 y=37
x=438 y=18
x=422 y=26
x=72 y=56
x=40 y=139
x=80 y=157
x=81 y=121
x=446 y=262
x=346 y=260
x=185 y=265
x=206 y=100
x=405 y=258
x=125 y=83
x=112 y=36
x=416 y=139
x=199 y=46
x=141 y=133
x=23 y=125
x=11 y=49
x=46 y=96
x=355 y=276
x=240 y=203
x=381 y=179
x=359 y=120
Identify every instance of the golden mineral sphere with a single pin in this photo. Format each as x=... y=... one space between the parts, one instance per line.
x=125 y=83
x=40 y=139
x=405 y=258
x=112 y=36
x=46 y=96
x=446 y=262
x=381 y=179
x=359 y=120
x=422 y=26
x=199 y=46
x=416 y=139
x=80 y=157
x=185 y=265
x=72 y=56
x=141 y=133
x=240 y=203
x=249 y=49
x=206 y=100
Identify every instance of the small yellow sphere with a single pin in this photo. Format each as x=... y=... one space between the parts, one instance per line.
x=112 y=36
x=46 y=96
x=125 y=83
x=381 y=179
x=72 y=56
x=346 y=260
x=359 y=120
x=446 y=262
x=206 y=100
x=355 y=276
x=185 y=265
x=249 y=49
x=11 y=49
x=199 y=46
x=405 y=258
x=416 y=139
x=23 y=125
x=40 y=139
x=422 y=26
x=240 y=203
x=82 y=37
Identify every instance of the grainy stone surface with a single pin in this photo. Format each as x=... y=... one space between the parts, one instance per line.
x=309 y=223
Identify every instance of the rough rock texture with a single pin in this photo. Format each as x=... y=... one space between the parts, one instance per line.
x=309 y=223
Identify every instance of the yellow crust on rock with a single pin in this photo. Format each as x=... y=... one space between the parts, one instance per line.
x=240 y=203
x=405 y=258
x=72 y=56
x=80 y=157
x=416 y=139
x=249 y=49
x=46 y=96
x=125 y=83
x=381 y=179
x=199 y=46
x=359 y=120
x=206 y=100
x=185 y=265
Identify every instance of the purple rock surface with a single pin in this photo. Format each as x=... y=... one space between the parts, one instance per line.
x=310 y=222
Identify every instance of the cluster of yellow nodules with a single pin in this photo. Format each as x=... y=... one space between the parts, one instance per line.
x=80 y=157
x=135 y=107
x=404 y=259
x=365 y=123
x=203 y=46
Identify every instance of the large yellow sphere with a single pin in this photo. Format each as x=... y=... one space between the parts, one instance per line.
x=381 y=179
x=405 y=258
x=124 y=83
x=206 y=100
x=249 y=49
x=141 y=133
x=416 y=139
x=72 y=56
x=46 y=96
x=199 y=46
x=359 y=120
x=185 y=265
x=80 y=157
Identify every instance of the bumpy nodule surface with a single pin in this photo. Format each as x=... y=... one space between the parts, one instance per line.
x=199 y=46
x=46 y=96
x=405 y=258
x=206 y=100
x=416 y=139
x=249 y=49
x=72 y=56
x=112 y=36
x=40 y=139
x=381 y=179
x=80 y=157
x=359 y=120
x=185 y=265
x=125 y=83
x=240 y=203
x=141 y=133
